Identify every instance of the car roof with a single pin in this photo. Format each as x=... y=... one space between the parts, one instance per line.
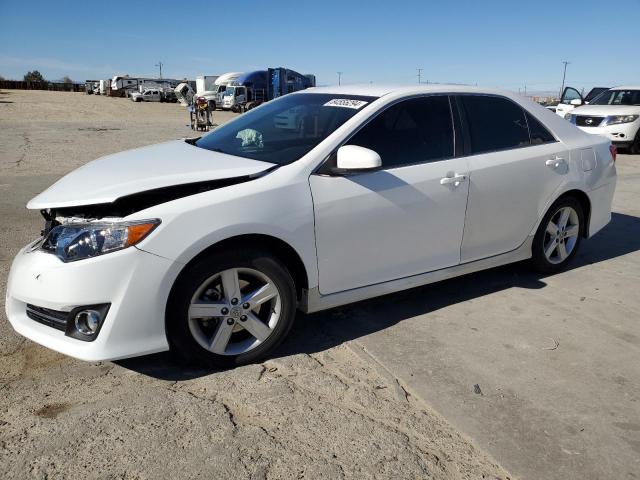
x=627 y=87
x=382 y=90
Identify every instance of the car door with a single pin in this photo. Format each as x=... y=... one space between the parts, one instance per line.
x=565 y=105
x=515 y=164
x=404 y=219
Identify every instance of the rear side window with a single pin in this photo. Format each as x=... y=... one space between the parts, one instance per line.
x=494 y=123
x=539 y=134
x=413 y=131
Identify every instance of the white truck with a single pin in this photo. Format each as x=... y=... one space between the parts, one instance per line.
x=213 y=92
x=209 y=87
x=205 y=83
x=148 y=95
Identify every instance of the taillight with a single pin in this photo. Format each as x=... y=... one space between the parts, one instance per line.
x=614 y=151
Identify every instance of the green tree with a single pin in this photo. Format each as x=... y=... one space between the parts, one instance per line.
x=67 y=80
x=34 y=76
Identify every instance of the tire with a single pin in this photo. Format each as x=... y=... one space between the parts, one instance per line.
x=566 y=237
x=231 y=337
x=634 y=148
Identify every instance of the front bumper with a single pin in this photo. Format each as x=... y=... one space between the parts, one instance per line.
x=134 y=282
x=622 y=134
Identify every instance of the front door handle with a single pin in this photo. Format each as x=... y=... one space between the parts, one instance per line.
x=452 y=179
x=554 y=162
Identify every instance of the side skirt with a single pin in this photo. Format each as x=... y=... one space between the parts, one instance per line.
x=314 y=301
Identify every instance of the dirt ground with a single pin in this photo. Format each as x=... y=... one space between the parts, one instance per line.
x=322 y=408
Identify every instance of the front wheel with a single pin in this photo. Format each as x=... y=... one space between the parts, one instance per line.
x=558 y=237
x=231 y=308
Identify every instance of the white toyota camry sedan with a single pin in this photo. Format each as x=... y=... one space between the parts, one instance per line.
x=320 y=198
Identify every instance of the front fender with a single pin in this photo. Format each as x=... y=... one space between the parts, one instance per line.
x=192 y=224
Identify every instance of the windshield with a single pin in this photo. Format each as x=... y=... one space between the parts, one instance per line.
x=283 y=130
x=594 y=92
x=617 y=97
x=229 y=92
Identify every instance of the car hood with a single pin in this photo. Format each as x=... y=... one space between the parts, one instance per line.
x=604 y=110
x=148 y=168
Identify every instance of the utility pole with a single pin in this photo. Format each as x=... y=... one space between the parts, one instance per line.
x=339 y=77
x=419 y=75
x=564 y=74
x=159 y=64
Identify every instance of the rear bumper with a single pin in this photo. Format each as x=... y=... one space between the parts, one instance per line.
x=132 y=281
x=601 y=199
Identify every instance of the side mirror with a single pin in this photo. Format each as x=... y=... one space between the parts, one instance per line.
x=352 y=158
x=576 y=102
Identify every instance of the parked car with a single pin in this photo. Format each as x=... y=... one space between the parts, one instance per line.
x=149 y=95
x=572 y=98
x=614 y=114
x=168 y=95
x=208 y=246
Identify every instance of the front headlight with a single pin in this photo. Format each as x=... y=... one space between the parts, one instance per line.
x=616 y=119
x=72 y=242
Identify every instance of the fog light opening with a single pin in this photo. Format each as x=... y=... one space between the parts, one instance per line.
x=87 y=322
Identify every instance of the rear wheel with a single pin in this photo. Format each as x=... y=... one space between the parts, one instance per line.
x=558 y=237
x=634 y=148
x=231 y=308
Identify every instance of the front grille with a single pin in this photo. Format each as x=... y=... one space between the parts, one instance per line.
x=588 y=121
x=46 y=316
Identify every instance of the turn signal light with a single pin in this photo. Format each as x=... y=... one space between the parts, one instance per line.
x=138 y=231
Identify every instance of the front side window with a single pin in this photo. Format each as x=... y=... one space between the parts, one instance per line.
x=569 y=94
x=412 y=131
x=283 y=130
x=494 y=123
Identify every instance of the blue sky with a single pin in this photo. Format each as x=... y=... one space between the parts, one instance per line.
x=492 y=43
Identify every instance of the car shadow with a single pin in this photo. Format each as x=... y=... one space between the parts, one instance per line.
x=323 y=330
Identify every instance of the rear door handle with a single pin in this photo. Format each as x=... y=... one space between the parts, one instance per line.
x=454 y=180
x=554 y=162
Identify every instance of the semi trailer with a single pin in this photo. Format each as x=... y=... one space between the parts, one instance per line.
x=253 y=88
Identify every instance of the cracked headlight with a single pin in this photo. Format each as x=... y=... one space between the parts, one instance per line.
x=616 y=119
x=72 y=242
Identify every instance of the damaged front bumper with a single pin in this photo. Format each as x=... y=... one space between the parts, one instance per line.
x=135 y=284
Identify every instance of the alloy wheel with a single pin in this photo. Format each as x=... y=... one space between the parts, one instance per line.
x=561 y=235
x=234 y=311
